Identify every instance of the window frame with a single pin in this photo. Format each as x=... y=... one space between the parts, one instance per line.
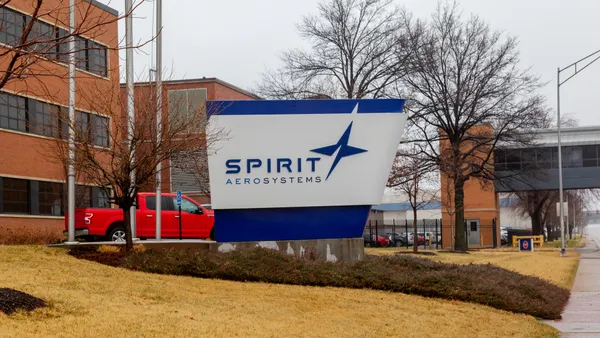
x=6 y=202
x=56 y=190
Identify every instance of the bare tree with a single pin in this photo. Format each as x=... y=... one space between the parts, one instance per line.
x=109 y=167
x=468 y=95
x=537 y=205
x=540 y=206
x=354 y=53
x=410 y=174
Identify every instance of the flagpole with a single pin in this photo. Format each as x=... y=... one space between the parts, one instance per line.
x=158 y=114
x=130 y=102
x=71 y=140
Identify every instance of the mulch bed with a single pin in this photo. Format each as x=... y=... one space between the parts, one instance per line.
x=12 y=300
x=455 y=252
x=91 y=254
x=424 y=253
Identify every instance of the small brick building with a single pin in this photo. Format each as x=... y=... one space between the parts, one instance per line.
x=193 y=92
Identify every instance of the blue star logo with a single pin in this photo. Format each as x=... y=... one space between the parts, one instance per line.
x=342 y=148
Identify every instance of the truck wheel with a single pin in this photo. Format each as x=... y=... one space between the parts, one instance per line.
x=212 y=234
x=116 y=234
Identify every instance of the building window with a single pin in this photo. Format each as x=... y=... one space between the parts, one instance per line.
x=513 y=160
x=51 y=41
x=186 y=104
x=101 y=198
x=15 y=196
x=83 y=196
x=572 y=157
x=29 y=115
x=11 y=26
x=80 y=52
x=12 y=112
x=51 y=198
x=62 y=45
x=96 y=58
x=44 y=118
x=544 y=158
x=101 y=127
x=44 y=37
x=82 y=121
x=590 y=156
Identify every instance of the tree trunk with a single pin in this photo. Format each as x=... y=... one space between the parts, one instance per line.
x=415 y=237
x=128 y=235
x=459 y=216
x=536 y=222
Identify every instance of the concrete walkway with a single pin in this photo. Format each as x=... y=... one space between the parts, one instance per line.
x=581 y=317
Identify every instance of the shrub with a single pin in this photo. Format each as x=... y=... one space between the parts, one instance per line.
x=483 y=284
x=12 y=236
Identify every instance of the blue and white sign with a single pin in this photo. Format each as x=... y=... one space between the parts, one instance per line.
x=525 y=244
x=301 y=169
x=178 y=198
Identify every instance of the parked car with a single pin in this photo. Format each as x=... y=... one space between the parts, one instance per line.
x=410 y=237
x=396 y=239
x=376 y=240
x=420 y=239
x=107 y=223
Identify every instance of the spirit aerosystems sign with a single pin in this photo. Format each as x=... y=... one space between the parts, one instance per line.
x=300 y=169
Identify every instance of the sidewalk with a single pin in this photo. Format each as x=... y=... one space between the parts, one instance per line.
x=581 y=317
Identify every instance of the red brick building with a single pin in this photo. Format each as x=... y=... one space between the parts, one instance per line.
x=31 y=183
x=194 y=93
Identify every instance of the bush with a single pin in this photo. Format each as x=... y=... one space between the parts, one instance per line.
x=483 y=284
x=11 y=236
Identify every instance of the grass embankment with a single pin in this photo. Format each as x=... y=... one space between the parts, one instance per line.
x=543 y=264
x=90 y=299
x=483 y=284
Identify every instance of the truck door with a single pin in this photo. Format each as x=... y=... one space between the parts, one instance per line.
x=195 y=223
x=169 y=224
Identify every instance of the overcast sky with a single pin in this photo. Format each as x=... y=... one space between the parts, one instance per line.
x=236 y=40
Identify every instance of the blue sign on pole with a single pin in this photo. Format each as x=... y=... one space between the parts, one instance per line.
x=178 y=198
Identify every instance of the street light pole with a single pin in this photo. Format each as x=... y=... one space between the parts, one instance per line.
x=563 y=250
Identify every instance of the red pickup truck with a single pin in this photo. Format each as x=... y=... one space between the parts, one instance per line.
x=107 y=223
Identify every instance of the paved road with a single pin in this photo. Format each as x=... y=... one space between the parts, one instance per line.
x=581 y=317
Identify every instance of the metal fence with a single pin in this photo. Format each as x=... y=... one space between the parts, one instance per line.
x=398 y=233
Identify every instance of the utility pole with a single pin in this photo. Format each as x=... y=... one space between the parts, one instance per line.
x=563 y=250
x=158 y=115
x=130 y=102
x=71 y=168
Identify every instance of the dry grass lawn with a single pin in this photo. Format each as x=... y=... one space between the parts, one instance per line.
x=88 y=299
x=544 y=264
